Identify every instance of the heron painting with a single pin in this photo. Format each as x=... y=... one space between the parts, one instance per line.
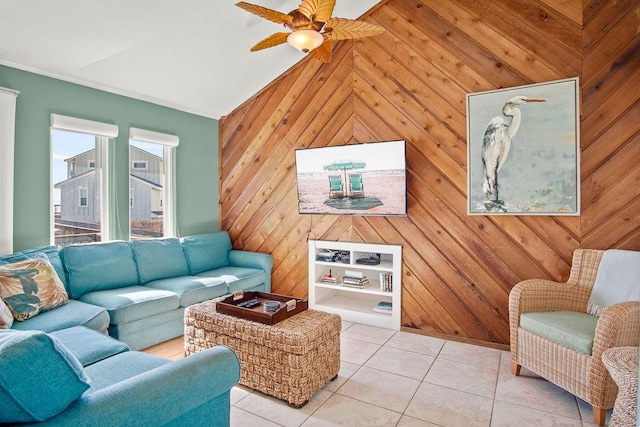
x=496 y=144
x=523 y=150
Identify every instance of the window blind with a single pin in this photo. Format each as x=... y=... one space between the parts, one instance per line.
x=74 y=124
x=143 y=135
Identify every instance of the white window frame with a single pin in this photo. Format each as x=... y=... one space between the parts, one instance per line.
x=105 y=134
x=7 y=150
x=169 y=143
x=89 y=162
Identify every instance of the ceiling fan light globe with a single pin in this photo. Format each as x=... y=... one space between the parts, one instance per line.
x=305 y=40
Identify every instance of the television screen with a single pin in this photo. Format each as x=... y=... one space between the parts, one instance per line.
x=357 y=179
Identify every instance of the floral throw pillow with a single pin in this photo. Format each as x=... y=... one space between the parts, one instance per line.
x=31 y=286
x=6 y=317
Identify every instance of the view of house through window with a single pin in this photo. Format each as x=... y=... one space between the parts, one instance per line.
x=76 y=188
x=146 y=189
x=81 y=182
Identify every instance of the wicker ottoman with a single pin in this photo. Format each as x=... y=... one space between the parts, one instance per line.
x=290 y=360
x=622 y=364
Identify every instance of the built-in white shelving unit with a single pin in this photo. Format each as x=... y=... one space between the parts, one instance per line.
x=356 y=304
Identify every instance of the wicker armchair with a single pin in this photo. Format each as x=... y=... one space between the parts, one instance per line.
x=583 y=375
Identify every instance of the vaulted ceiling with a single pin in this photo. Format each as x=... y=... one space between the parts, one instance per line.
x=192 y=55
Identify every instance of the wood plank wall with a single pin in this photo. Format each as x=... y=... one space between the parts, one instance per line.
x=411 y=83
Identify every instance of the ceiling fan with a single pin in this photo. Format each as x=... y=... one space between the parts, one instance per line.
x=312 y=27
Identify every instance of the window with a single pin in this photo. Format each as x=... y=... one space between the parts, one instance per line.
x=80 y=180
x=151 y=179
x=139 y=165
x=130 y=197
x=84 y=197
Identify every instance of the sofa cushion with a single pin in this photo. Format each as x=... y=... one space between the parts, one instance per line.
x=99 y=266
x=133 y=302
x=141 y=326
x=567 y=328
x=159 y=259
x=39 y=376
x=31 y=286
x=207 y=251
x=6 y=317
x=51 y=253
x=238 y=278
x=143 y=333
x=73 y=313
x=87 y=345
x=192 y=289
x=120 y=367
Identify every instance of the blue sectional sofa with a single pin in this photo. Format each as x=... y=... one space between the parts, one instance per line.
x=80 y=377
x=137 y=290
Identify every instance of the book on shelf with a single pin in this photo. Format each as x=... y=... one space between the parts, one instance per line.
x=383 y=307
x=356 y=281
x=354 y=286
x=354 y=274
x=386 y=281
x=327 y=278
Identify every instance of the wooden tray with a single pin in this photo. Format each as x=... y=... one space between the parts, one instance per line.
x=289 y=306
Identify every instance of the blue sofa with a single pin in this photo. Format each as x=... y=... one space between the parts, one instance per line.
x=80 y=377
x=137 y=290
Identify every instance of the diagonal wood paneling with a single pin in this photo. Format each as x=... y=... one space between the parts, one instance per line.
x=411 y=83
x=610 y=126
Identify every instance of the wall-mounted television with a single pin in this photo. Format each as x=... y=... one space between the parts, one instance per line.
x=356 y=179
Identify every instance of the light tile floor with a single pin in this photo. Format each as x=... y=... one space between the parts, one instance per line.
x=395 y=378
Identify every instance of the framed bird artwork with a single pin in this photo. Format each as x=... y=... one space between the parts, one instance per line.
x=523 y=150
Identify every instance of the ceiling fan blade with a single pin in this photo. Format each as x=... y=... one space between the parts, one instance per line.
x=323 y=52
x=265 y=12
x=317 y=10
x=343 y=29
x=271 y=41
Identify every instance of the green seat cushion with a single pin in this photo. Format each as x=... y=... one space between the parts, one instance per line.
x=567 y=328
x=39 y=377
x=207 y=251
x=159 y=259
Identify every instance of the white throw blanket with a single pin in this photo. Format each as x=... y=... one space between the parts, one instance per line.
x=617 y=280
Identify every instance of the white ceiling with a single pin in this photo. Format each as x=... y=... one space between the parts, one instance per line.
x=192 y=55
